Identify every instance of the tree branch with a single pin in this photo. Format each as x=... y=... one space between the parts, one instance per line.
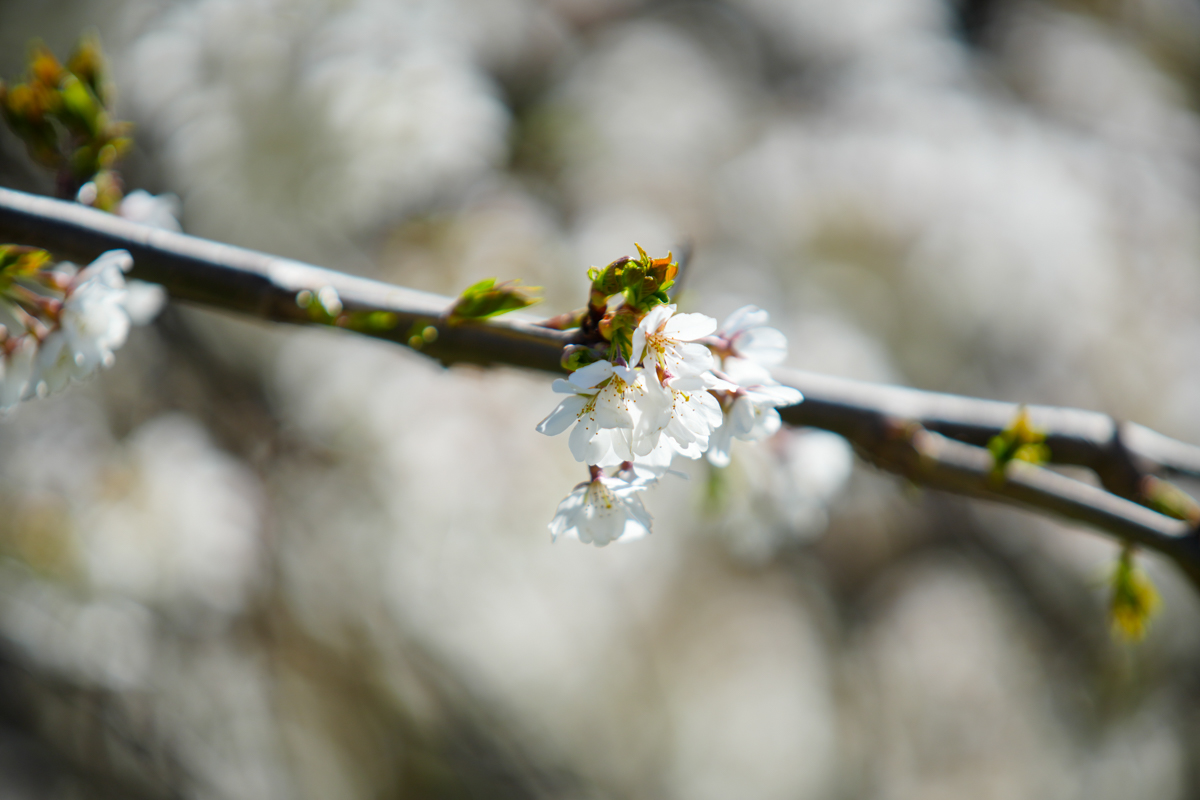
x=1119 y=453
x=936 y=461
x=932 y=439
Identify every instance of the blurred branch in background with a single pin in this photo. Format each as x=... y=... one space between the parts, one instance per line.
x=932 y=439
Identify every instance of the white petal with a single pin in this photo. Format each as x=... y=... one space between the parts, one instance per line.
x=765 y=424
x=565 y=516
x=693 y=359
x=652 y=466
x=581 y=439
x=686 y=327
x=560 y=418
x=638 y=345
x=113 y=259
x=621 y=443
x=744 y=318
x=691 y=383
x=143 y=301
x=747 y=373
x=777 y=396
x=710 y=408
x=742 y=417
x=719 y=445
x=627 y=374
x=637 y=525
x=592 y=374
x=610 y=457
x=655 y=318
x=564 y=386
x=766 y=346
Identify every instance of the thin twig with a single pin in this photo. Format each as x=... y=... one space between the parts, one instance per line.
x=933 y=439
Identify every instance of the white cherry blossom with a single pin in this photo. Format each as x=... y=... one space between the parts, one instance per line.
x=670 y=402
x=92 y=324
x=749 y=409
x=683 y=411
x=155 y=210
x=745 y=335
x=604 y=407
x=666 y=340
x=602 y=510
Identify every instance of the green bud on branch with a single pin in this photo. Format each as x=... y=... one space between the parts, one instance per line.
x=489 y=299
x=1134 y=598
x=1018 y=442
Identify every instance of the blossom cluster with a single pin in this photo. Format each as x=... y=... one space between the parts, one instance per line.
x=61 y=324
x=656 y=384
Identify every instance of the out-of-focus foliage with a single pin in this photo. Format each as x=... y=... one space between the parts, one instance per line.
x=63 y=115
x=257 y=563
x=1134 y=599
x=1020 y=442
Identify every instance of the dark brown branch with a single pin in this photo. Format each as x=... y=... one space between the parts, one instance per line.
x=1082 y=438
x=945 y=452
x=936 y=461
x=265 y=286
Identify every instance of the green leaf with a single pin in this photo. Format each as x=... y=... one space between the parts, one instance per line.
x=18 y=261
x=489 y=299
x=1134 y=598
x=1020 y=441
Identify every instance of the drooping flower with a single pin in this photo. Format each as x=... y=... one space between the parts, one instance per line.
x=92 y=324
x=602 y=510
x=749 y=408
x=745 y=334
x=667 y=340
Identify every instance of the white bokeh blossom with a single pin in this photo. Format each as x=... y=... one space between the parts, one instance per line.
x=155 y=210
x=602 y=510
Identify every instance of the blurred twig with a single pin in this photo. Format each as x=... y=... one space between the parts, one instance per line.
x=933 y=439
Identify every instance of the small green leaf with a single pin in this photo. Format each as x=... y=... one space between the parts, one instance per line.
x=488 y=299
x=82 y=110
x=87 y=63
x=17 y=261
x=1134 y=598
x=1020 y=441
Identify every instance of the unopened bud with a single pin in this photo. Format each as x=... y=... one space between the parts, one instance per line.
x=577 y=356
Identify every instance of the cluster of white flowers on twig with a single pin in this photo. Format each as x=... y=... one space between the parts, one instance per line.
x=649 y=384
x=61 y=323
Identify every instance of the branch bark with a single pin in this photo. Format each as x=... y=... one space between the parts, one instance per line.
x=930 y=438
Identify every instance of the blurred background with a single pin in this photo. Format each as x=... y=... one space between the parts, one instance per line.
x=261 y=562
